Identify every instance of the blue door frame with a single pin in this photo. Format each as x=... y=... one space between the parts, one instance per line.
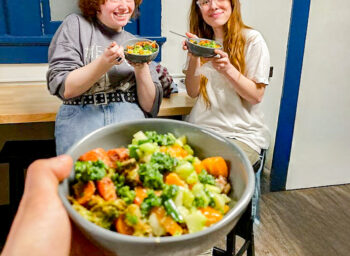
x=290 y=93
x=26 y=29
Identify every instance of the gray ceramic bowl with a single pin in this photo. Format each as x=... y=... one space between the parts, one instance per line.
x=199 y=50
x=205 y=144
x=139 y=58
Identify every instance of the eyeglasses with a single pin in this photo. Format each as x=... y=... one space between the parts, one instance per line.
x=205 y=3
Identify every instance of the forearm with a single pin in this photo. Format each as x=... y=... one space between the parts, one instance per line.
x=246 y=88
x=146 y=91
x=80 y=80
x=192 y=79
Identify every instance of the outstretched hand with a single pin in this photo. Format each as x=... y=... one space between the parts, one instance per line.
x=42 y=225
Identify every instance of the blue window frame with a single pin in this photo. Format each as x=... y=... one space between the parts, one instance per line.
x=26 y=29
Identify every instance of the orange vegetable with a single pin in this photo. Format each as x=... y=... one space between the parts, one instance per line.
x=118 y=154
x=211 y=214
x=97 y=154
x=106 y=189
x=141 y=194
x=85 y=193
x=167 y=222
x=198 y=167
x=177 y=151
x=216 y=166
x=226 y=208
x=174 y=179
x=122 y=227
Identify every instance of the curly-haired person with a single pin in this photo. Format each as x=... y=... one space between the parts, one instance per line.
x=89 y=73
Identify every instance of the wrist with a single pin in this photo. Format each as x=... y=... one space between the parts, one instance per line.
x=232 y=73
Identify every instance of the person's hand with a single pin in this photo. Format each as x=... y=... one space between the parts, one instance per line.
x=114 y=54
x=42 y=225
x=184 y=45
x=221 y=62
x=138 y=66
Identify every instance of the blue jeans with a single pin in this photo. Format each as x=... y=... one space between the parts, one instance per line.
x=73 y=122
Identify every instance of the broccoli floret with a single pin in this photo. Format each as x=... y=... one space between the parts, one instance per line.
x=150 y=176
x=150 y=201
x=163 y=162
x=161 y=139
x=126 y=194
x=206 y=178
x=169 y=192
x=87 y=170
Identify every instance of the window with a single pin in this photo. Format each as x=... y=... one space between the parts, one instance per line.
x=26 y=28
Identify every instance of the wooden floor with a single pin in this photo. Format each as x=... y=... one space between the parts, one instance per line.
x=310 y=222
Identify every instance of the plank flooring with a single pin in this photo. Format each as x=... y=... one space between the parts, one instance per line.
x=308 y=222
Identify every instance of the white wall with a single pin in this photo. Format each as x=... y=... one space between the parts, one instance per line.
x=271 y=18
x=176 y=19
x=321 y=143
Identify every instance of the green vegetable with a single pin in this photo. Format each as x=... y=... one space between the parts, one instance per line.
x=150 y=201
x=130 y=219
x=172 y=210
x=85 y=171
x=201 y=197
x=126 y=194
x=192 y=178
x=195 y=221
x=163 y=162
x=150 y=176
x=161 y=139
x=169 y=191
x=184 y=169
x=206 y=178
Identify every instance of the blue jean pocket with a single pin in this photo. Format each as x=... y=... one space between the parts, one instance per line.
x=67 y=112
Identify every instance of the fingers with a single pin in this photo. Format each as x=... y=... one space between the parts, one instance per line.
x=115 y=53
x=190 y=35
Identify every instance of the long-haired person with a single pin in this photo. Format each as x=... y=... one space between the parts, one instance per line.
x=88 y=72
x=231 y=85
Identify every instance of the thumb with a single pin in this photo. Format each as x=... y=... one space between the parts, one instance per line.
x=47 y=173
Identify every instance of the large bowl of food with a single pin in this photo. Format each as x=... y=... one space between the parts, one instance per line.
x=156 y=187
x=203 y=47
x=140 y=50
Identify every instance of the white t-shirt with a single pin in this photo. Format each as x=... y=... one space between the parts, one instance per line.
x=229 y=114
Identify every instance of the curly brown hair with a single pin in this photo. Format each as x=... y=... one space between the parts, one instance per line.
x=89 y=8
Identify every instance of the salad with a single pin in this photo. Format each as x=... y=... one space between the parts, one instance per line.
x=142 y=48
x=154 y=187
x=206 y=43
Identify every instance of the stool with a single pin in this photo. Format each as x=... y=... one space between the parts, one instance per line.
x=19 y=155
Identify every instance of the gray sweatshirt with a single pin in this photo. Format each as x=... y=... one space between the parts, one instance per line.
x=76 y=43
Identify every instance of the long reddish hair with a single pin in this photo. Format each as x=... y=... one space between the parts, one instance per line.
x=234 y=40
x=89 y=8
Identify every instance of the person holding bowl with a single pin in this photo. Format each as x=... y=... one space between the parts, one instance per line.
x=230 y=85
x=88 y=72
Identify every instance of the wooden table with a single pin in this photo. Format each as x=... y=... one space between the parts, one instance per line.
x=33 y=103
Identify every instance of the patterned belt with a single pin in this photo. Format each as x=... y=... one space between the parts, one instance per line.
x=103 y=98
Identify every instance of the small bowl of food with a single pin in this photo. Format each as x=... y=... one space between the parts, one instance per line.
x=140 y=50
x=156 y=187
x=203 y=47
